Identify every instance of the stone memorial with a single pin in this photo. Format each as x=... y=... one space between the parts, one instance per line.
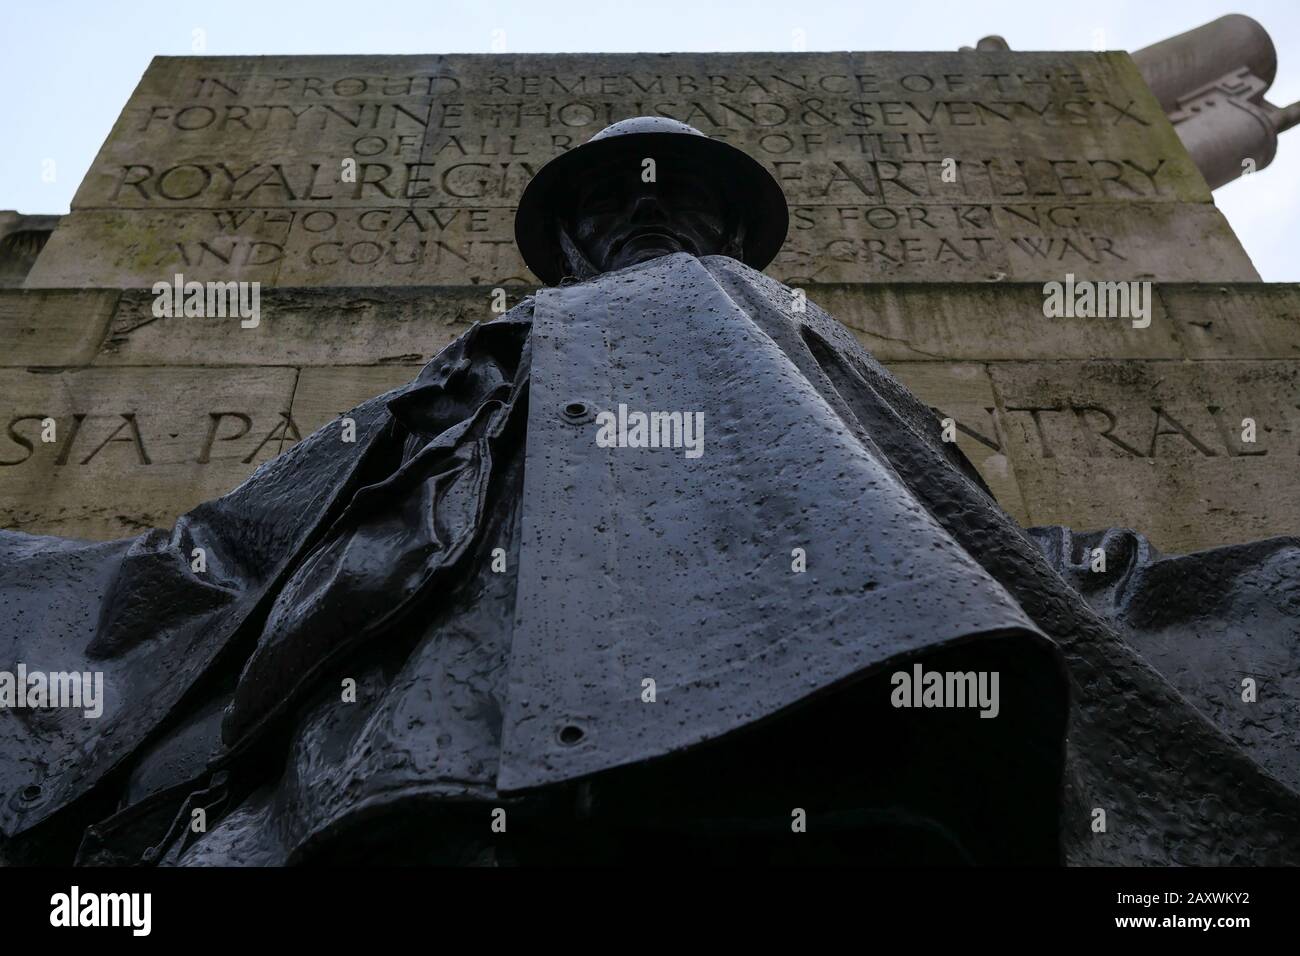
x=1043 y=322
x=897 y=167
x=931 y=196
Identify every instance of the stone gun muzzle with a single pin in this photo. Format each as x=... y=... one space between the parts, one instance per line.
x=1211 y=82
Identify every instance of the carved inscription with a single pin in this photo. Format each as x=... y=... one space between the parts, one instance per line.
x=369 y=170
x=1150 y=431
x=118 y=438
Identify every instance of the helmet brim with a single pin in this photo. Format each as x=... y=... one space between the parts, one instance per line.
x=762 y=204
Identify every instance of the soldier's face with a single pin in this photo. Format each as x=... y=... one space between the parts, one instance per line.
x=619 y=220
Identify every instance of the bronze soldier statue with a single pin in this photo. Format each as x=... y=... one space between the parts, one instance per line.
x=661 y=565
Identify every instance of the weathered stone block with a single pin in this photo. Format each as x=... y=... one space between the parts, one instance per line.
x=1243 y=320
x=368 y=170
x=1087 y=422
x=134 y=448
x=21 y=240
x=53 y=328
x=1156 y=446
x=945 y=322
x=303 y=327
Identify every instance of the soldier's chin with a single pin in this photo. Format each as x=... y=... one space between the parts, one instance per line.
x=643 y=249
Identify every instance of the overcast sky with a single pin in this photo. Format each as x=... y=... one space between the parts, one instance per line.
x=67 y=68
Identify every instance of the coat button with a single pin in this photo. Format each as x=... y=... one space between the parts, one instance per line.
x=571 y=734
x=26 y=798
x=577 y=412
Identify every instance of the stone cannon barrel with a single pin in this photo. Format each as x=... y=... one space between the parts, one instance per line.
x=1211 y=82
x=1184 y=63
